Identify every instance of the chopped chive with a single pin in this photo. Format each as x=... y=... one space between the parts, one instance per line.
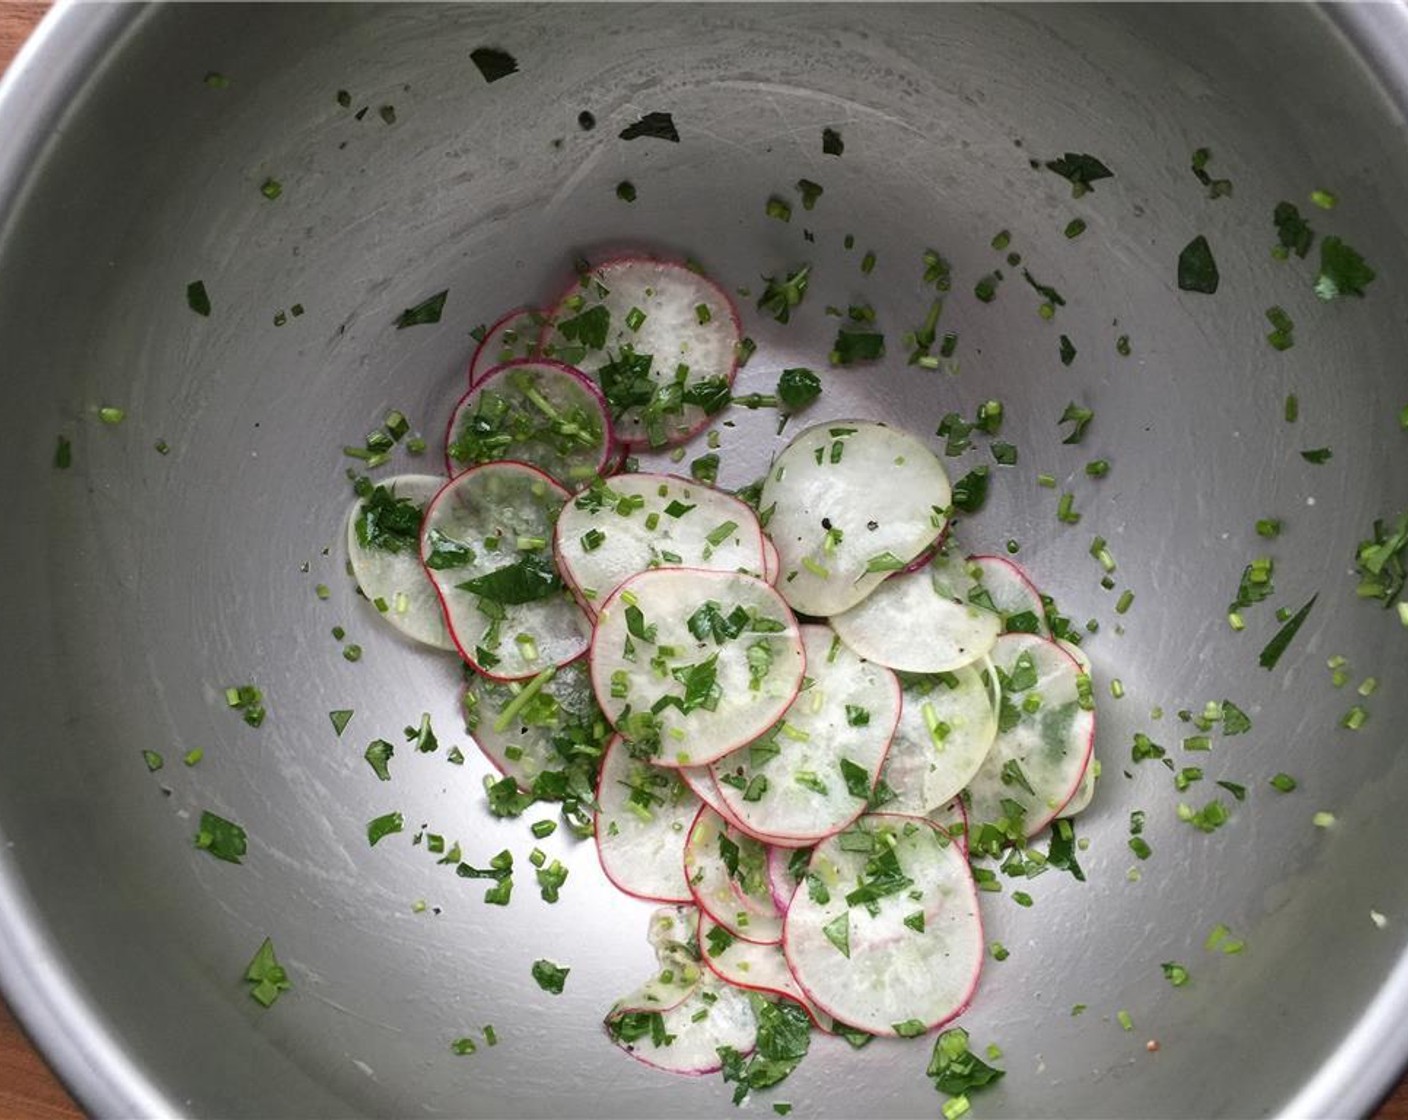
x=1126 y=1023
x=1066 y=511
x=1323 y=819
x=1323 y=199
x=1292 y=408
x=867 y=262
x=1046 y=480
x=779 y=208
x=1283 y=783
x=1097 y=468
x=1074 y=228
x=63 y=454
x=1126 y=600
x=153 y=760
x=1355 y=718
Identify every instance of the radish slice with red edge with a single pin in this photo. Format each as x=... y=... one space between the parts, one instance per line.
x=848 y=503
x=523 y=726
x=786 y=868
x=660 y=339
x=689 y=664
x=947 y=725
x=870 y=953
x=922 y=622
x=642 y=821
x=511 y=338
x=724 y=866
x=1046 y=731
x=700 y=779
x=486 y=543
x=952 y=821
x=687 y=1037
x=758 y=968
x=1085 y=792
x=772 y=566
x=541 y=413
x=1011 y=593
x=631 y=523
x=383 y=548
x=812 y=774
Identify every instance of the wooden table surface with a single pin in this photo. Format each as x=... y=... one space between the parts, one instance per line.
x=28 y=1089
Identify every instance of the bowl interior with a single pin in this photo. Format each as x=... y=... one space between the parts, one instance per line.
x=143 y=584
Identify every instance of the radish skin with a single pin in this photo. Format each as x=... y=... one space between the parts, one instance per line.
x=512 y=337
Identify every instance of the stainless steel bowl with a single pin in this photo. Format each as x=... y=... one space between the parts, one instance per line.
x=140 y=585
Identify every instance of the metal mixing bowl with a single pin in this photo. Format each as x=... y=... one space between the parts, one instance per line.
x=141 y=584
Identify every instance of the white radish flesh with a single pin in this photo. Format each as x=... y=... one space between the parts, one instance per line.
x=772 y=566
x=695 y=663
x=786 y=866
x=847 y=503
x=486 y=542
x=952 y=820
x=394 y=575
x=1045 y=734
x=871 y=954
x=922 y=622
x=659 y=338
x=814 y=772
x=687 y=1037
x=642 y=821
x=632 y=523
x=1012 y=594
x=512 y=338
x=947 y=725
x=727 y=874
x=517 y=724
x=541 y=413
x=759 y=968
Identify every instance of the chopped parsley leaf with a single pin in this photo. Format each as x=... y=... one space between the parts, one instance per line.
x=810 y=192
x=493 y=63
x=1080 y=171
x=197 y=299
x=781 y=296
x=857 y=346
x=1382 y=561
x=1080 y=418
x=798 y=387
x=831 y=142
x=383 y=826
x=954 y=1068
x=550 y=977
x=267 y=975
x=378 y=754
x=426 y=312
x=221 y=838
x=1343 y=272
x=1197 y=271
x=1317 y=455
x=527 y=580
x=971 y=491
x=1068 y=351
x=654 y=126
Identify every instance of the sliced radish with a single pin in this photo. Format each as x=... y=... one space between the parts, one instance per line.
x=512 y=338
x=1011 y=593
x=922 y=622
x=847 y=503
x=947 y=725
x=868 y=952
x=643 y=818
x=686 y=1038
x=786 y=868
x=952 y=820
x=1044 y=736
x=541 y=413
x=727 y=873
x=393 y=576
x=758 y=968
x=700 y=780
x=1085 y=792
x=635 y=522
x=813 y=773
x=691 y=664
x=659 y=338
x=518 y=724
x=485 y=543
x=772 y=566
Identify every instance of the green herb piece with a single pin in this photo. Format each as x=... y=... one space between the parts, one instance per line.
x=1343 y=272
x=271 y=189
x=954 y=1068
x=1282 y=335
x=221 y=838
x=550 y=977
x=955 y=1107
x=626 y=191
x=1292 y=408
x=781 y=296
x=857 y=346
x=1074 y=228
x=838 y=932
x=1004 y=453
x=426 y=312
x=391 y=524
x=986 y=288
x=267 y=975
x=550 y=880
x=1283 y=783
x=831 y=142
x=492 y=63
x=1292 y=231
x=463 y=1047
x=1126 y=1023
x=1269 y=527
x=378 y=754
x=1217 y=188
x=1317 y=455
x=1122 y=346
x=197 y=299
x=352 y=652
x=910 y=1028
x=63 y=454
x=783 y=1039
x=1324 y=199
x=1197 y=271
x=1068 y=351
x=971 y=491
x=705 y=468
x=527 y=580
x=590 y=329
x=778 y=208
x=249 y=701
x=215 y=80
x=1140 y=847
x=110 y=415
x=384 y=826
x=798 y=387
x=782 y=1108
x=1381 y=562
x=1175 y=974
x=1080 y=171
x=867 y=265
x=1277 y=646
x=1323 y=820
x=810 y=192
x=153 y=760
x=999 y=951
x=1080 y=418
x=193 y=756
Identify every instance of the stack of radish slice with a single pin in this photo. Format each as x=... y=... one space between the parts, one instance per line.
x=803 y=710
